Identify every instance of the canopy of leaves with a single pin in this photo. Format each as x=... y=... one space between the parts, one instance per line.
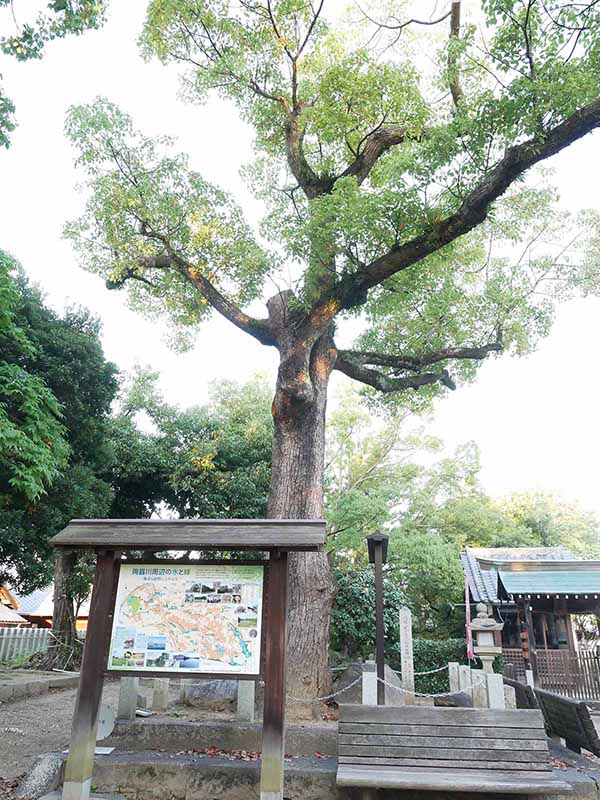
x=57 y=361
x=146 y=199
x=390 y=180
x=33 y=446
x=207 y=461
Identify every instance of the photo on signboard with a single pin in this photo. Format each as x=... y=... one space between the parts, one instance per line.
x=158 y=660
x=156 y=643
x=129 y=659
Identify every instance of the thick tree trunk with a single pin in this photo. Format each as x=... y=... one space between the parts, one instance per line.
x=65 y=650
x=297 y=493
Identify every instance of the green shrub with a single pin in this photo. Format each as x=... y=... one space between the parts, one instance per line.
x=353 y=632
x=430 y=654
x=353 y=614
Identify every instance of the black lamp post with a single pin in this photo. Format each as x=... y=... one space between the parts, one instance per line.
x=378 y=546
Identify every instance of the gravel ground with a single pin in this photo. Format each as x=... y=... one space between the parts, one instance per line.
x=35 y=725
x=32 y=726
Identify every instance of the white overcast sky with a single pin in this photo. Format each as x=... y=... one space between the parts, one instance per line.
x=536 y=419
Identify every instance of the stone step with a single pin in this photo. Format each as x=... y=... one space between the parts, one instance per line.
x=57 y=795
x=175 y=735
x=150 y=775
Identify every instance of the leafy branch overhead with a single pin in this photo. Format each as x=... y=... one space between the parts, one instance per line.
x=393 y=189
x=25 y=37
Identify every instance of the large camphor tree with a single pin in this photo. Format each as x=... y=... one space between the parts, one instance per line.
x=390 y=157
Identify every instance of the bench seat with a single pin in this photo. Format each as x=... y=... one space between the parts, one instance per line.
x=446 y=750
x=450 y=780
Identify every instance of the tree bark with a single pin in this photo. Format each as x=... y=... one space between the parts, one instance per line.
x=65 y=650
x=296 y=492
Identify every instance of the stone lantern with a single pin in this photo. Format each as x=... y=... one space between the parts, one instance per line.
x=486 y=634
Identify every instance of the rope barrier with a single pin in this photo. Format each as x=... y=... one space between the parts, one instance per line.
x=437 y=694
x=386 y=683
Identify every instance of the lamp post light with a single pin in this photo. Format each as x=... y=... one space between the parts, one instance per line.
x=378 y=547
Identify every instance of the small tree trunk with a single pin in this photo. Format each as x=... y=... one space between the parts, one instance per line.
x=65 y=650
x=297 y=493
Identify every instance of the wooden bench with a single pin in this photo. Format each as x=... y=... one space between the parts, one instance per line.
x=444 y=750
x=570 y=720
x=524 y=694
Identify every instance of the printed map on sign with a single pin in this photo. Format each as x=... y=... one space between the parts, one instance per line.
x=197 y=618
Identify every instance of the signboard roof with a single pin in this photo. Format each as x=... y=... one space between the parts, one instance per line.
x=193 y=534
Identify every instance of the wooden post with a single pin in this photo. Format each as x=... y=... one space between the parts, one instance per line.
x=531 y=639
x=379 y=628
x=80 y=761
x=271 y=773
x=406 y=655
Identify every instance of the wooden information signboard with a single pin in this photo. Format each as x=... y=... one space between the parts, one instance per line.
x=121 y=640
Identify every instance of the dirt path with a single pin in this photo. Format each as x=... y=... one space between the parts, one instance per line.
x=33 y=726
x=36 y=725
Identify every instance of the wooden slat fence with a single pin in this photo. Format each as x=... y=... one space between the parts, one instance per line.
x=22 y=642
x=575 y=675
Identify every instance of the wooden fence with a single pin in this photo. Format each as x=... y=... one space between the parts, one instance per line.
x=570 y=674
x=23 y=642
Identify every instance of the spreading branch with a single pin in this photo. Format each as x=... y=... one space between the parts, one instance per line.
x=384 y=383
x=308 y=180
x=258 y=328
x=455 y=87
x=374 y=146
x=416 y=363
x=398 y=26
x=353 y=289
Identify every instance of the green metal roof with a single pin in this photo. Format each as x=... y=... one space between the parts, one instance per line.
x=563 y=582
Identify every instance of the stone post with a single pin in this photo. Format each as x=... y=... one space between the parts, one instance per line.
x=453 y=676
x=479 y=691
x=465 y=683
x=529 y=680
x=495 y=691
x=406 y=654
x=510 y=697
x=184 y=685
x=245 y=701
x=160 y=695
x=369 y=688
x=128 y=695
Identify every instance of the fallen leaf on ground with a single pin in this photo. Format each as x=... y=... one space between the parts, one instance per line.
x=215 y=752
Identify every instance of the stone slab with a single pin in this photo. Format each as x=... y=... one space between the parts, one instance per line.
x=15 y=684
x=157 y=733
x=145 y=775
x=57 y=795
